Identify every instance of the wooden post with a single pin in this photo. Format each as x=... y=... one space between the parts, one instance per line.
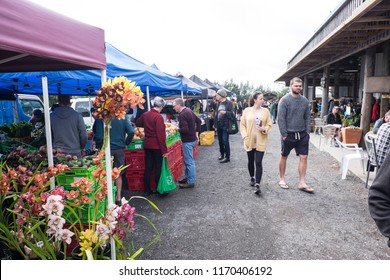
x=305 y=87
x=336 y=92
x=325 y=91
x=368 y=67
x=386 y=72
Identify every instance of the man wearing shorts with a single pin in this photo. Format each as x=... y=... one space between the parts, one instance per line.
x=294 y=127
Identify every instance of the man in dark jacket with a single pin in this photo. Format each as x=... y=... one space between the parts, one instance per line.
x=224 y=111
x=121 y=134
x=189 y=128
x=68 y=128
x=379 y=199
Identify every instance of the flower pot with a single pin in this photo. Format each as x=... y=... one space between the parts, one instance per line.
x=351 y=135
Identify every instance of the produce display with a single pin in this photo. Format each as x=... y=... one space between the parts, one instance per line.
x=170 y=129
x=139 y=133
x=26 y=156
x=17 y=130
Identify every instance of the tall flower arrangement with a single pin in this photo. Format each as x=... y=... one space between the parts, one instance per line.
x=112 y=100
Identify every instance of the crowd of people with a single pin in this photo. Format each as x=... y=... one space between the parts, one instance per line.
x=292 y=113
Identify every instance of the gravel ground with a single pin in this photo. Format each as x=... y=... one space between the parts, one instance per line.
x=221 y=218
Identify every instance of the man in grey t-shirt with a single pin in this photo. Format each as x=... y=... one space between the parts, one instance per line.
x=294 y=126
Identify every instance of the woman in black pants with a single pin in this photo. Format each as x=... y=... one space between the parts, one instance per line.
x=255 y=125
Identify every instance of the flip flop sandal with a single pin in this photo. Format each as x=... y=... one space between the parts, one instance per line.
x=283 y=185
x=307 y=189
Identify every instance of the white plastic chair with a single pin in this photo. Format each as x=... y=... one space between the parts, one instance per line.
x=359 y=154
x=372 y=163
x=328 y=133
x=318 y=125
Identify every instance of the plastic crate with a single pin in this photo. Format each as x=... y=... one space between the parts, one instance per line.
x=177 y=171
x=86 y=214
x=170 y=157
x=196 y=150
x=6 y=148
x=135 y=160
x=85 y=209
x=172 y=138
x=68 y=177
x=176 y=136
x=136 y=145
x=177 y=151
x=135 y=181
x=104 y=204
x=207 y=138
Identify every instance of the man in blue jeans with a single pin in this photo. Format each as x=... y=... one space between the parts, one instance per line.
x=189 y=128
x=224 y=111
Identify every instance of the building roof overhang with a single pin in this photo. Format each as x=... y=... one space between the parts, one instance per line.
x=342 y=38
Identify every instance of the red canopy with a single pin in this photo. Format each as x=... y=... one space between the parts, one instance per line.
x=33 y=38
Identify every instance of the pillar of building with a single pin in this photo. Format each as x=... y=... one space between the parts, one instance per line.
x=336 y=90
x=368 y=68
x=325 y=91
x=386 y=72
x=306 y=86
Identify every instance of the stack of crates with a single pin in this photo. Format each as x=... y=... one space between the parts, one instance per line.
x=135 y=159
x=67 y=178
x=175 y=160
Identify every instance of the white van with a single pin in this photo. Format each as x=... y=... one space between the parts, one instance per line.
x=83 y=106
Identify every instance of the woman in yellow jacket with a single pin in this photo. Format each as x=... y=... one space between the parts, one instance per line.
x=255 y=125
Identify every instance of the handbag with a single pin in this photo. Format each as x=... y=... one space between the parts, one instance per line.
x=232 y=125
x=166 y=182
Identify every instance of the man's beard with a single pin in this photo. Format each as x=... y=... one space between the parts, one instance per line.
x=296 y=92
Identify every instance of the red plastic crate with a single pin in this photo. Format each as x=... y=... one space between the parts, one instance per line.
x=170 y=157
x=135 y=160
x=178 y=151
x=196 y=150
x=195 y=153
x=135 y=180
x=177 y=171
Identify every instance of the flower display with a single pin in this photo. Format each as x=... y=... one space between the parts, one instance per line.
x=31 y=222
x=40 y=223
x=114 y=96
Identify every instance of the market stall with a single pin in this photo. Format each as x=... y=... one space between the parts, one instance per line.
x=135 y=158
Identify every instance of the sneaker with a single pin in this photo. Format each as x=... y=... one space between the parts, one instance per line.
x=225 y=160
x=182 y=181
x=186 y=186
x=252 y=182
x=257 y=191
x=221 y=157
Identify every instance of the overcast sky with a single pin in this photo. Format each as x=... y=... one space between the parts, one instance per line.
x=243 y=40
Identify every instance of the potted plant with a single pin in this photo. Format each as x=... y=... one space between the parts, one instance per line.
x=351 y=134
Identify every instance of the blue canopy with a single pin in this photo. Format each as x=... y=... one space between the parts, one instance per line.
x=85 y=82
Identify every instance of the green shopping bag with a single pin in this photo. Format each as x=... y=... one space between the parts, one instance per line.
x=166 y=183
